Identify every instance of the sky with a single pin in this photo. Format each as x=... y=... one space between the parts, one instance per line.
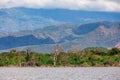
x=89 y=5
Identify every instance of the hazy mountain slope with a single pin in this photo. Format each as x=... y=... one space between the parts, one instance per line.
x=11 y=42
x=118 y=45
x=13 y=20
x=73 y=16
x=102 y=37
x=86 y=28
x=22 y=19
x=97 y=34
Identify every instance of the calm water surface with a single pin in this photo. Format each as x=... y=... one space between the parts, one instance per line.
x=91 y=73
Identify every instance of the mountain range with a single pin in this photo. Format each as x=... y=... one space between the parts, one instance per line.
x=18 y=19
x=42 y=29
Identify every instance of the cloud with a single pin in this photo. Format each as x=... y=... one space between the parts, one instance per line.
x=91 y=5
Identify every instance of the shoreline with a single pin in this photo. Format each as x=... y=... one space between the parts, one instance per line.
x=63 y=67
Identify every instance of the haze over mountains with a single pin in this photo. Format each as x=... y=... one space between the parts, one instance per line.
x=30 y=19
x=41 y=29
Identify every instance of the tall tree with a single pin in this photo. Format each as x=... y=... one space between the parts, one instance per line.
x=28 y=51
x=57 y=50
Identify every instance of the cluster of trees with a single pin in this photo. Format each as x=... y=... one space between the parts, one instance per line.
x=74 y=57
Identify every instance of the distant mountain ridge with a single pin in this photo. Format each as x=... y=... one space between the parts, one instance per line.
x=97 y=34
x=42 y=29
x=15 y=20
x=117 y=45
x=22 y=19
x=11 y=42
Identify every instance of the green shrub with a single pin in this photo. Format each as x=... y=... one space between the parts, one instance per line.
x=114 y=51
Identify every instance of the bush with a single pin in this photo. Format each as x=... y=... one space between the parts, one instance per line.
x=114 y=51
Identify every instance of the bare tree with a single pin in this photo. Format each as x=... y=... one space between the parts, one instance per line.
x=75 y=49
x=28 y=51
x=57 y=50
x=19 y=57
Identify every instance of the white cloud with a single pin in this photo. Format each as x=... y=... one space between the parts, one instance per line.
x=92 y=5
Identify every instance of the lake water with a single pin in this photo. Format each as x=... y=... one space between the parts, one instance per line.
x=68 y=73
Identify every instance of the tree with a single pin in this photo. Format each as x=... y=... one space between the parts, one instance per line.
x=75 y=49
x=57 y=50
x=28 y=51
x=114 y=51
x=19 y=57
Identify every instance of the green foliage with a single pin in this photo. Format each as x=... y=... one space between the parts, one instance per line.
x=84 y=58
x=114 y=51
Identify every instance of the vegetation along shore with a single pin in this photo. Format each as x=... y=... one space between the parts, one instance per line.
x=94 y=56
